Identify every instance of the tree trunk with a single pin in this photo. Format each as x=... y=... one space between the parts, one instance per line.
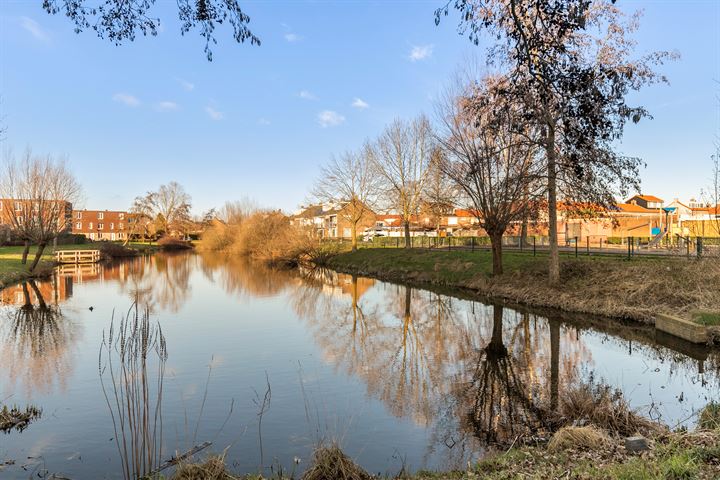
x=496 y=243
x=523 y=232
x=554 y=364
x=407 y=234
x=38 y=254
x=496 y=347
x=38 y=295
x=554 y=259
x=353 y=232
x=26 y=250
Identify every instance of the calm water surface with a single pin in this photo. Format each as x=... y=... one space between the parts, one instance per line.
x=399 y=376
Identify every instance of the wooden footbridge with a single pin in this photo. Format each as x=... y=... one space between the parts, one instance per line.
x=77 y=256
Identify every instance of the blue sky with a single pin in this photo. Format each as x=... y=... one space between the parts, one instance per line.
x=259 y=121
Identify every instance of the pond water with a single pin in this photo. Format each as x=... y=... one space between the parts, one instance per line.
x=399 y=376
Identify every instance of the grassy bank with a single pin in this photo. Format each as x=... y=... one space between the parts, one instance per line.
x=635 y=289
x=13 y=271
x=592 y=455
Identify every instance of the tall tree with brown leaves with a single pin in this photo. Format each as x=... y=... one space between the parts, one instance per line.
x=569 y=63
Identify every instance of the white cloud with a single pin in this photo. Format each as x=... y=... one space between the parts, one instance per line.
x=188 y=86
x=34 y=28
x=307 y=95
x=126 y=99
x=214 y=114
x=166 y=106
x=293 y=37
x=328 y=118
x=360 y=103
x=420 y=52
x=263 y=121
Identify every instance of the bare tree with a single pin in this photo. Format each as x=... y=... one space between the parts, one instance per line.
x=39 y=193
x=401 y=157
x=495 y=166
x=711 y=195
x=569 y=63
x=169 y=207
x=441 y=193
x=350 y=181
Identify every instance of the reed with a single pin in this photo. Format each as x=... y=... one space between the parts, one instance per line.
x=133 y=396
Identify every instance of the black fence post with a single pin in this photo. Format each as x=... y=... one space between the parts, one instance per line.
x=699 y=247
x=601 y=243
x=397 y=242
x=534 y=251
x=687 y=246
x=588 y=246
x=472 y=244
x=628 y=245
x=576 y=247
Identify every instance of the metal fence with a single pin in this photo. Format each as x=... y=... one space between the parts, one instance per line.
x=678 y=246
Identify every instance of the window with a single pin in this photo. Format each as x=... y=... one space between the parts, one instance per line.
x=18 y=206
x=121 y=217
x=78 y=226
x=121 y=226
x=101 y=215
x=90 y=226
x=112 y=226
x=19 y=218
x=101 y=226
x=78 y=215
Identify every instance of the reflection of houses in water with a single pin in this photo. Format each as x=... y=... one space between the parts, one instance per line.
x=52 y=291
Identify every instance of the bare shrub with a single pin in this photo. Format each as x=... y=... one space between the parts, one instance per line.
x=602 y=406
x=587 y=438
x=171 y=243
x=330 y=463
x=212 y=469
x=115 y=250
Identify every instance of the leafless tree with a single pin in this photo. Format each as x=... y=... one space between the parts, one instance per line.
x=39 y=192
x=350 y=181
x=711 y=195
x=441 y=193
x=496 y=167
x=401 y=157
x=169 y=207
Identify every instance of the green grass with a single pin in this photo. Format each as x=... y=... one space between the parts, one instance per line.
x=706 y=318
x=613 y=286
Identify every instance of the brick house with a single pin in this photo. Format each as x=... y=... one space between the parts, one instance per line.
x=101 y=224
x=331 y=220
x=12 y=210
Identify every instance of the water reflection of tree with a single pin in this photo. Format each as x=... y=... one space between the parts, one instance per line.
x=240 y=276
x=497 y=398
x=160 y=281
x=473 y=373
x=36 y=343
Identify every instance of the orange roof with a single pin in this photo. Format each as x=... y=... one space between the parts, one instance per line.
x=648 y=198
x=630 y=208
x=461 y=212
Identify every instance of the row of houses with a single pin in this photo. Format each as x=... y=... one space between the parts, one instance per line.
x=639 y=216
x=109 y=225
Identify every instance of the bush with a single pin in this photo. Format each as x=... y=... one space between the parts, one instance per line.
x=710 y=416
x=171 y=243
x=264 y=235
x=111 y=250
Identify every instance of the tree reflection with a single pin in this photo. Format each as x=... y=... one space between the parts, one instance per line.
x=36 y=343
x=476 y=374
x=160 y=281
x=497 y=397
x=241 y=276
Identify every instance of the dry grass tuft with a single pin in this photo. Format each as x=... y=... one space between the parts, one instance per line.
x=330 y=463
x=212 y=469
x=14 y=418
x=600 y=405
x=584 y=438
x=710 y=417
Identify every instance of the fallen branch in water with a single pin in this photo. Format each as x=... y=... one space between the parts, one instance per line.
x=175 y=460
